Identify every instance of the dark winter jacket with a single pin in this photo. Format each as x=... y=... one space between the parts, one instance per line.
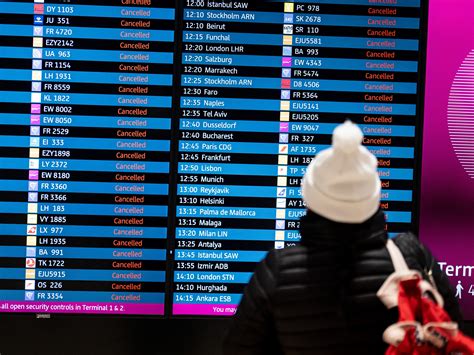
x=320 y=297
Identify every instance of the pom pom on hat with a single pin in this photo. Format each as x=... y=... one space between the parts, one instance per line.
x=342 y=183
x=347 y=137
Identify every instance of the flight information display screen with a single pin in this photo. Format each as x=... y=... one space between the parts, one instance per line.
x=151 y=152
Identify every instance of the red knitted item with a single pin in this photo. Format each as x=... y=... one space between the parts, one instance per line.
x=426 y=339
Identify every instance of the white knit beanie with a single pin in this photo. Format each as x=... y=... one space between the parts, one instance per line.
x=341 y=183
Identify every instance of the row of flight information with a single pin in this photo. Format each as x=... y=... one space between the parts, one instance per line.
x=151 y=152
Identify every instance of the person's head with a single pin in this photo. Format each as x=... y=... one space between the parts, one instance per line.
x=341 y=183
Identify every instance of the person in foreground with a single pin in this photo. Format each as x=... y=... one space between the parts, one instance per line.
x=320 y=297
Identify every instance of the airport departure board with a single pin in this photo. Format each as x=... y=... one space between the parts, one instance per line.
x=151 y=152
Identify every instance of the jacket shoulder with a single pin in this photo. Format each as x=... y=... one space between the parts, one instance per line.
x=298 y=255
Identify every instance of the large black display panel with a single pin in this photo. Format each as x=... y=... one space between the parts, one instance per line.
x=263 y=86
x=151 y=152
x=84 y=155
